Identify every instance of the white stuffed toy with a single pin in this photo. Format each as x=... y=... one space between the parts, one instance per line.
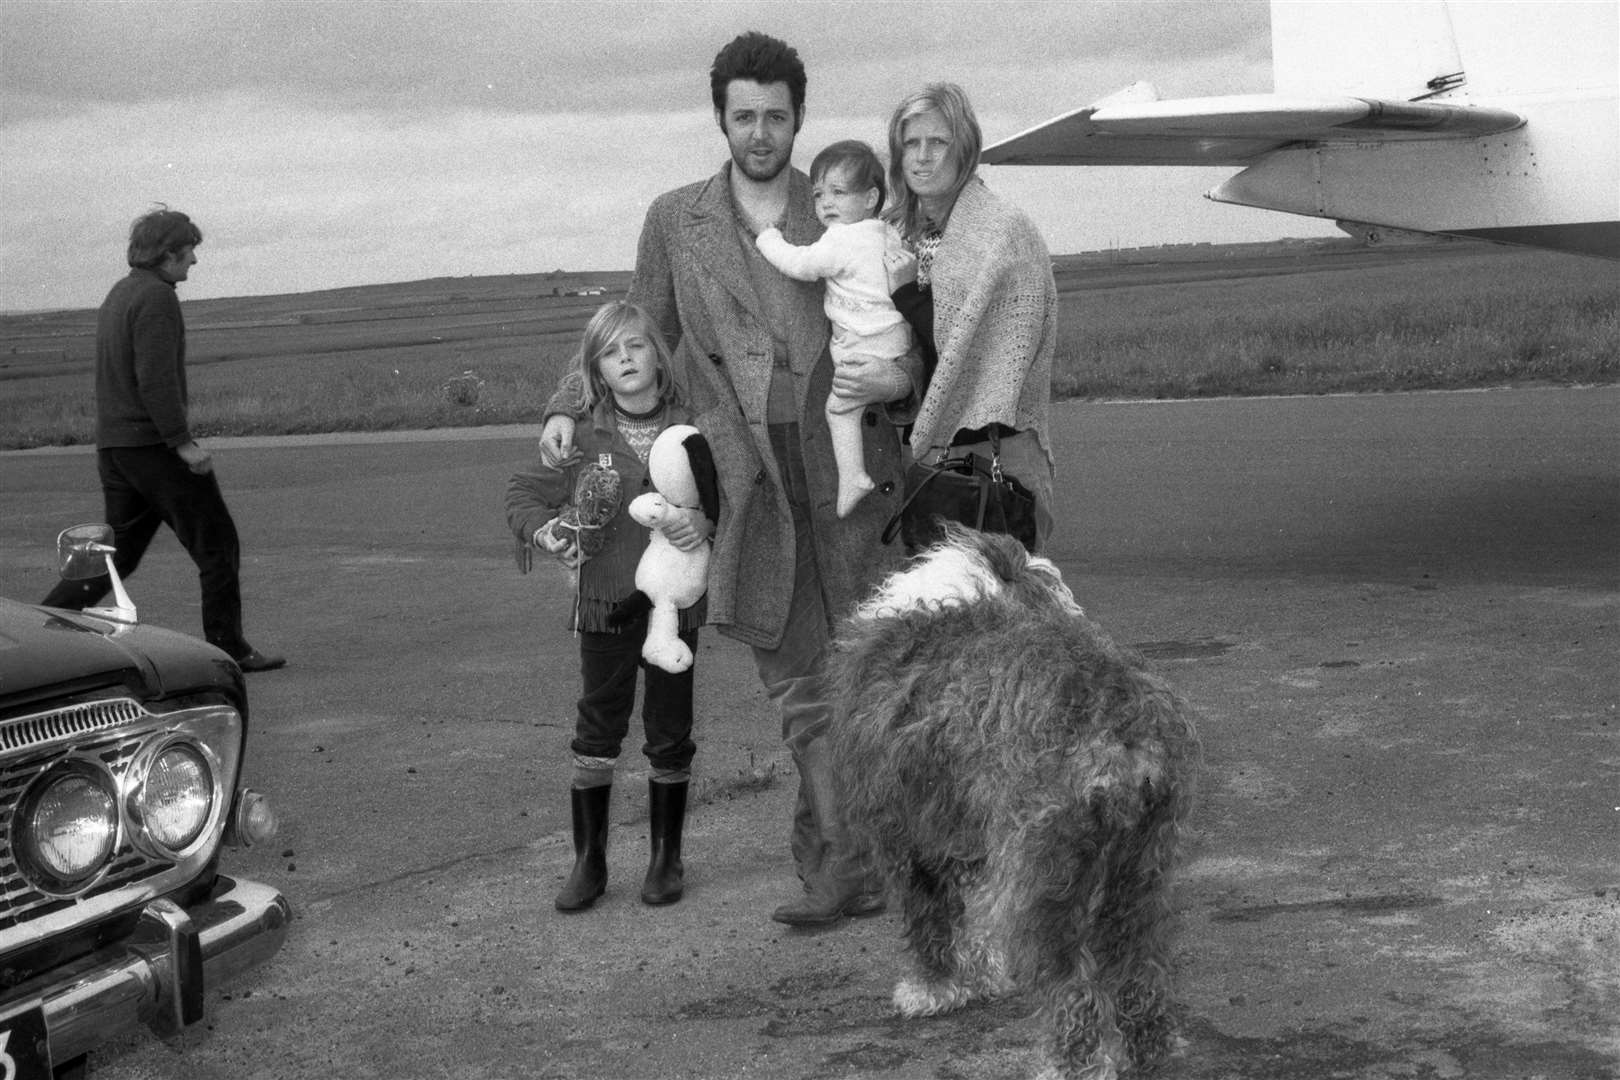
x=669 y=579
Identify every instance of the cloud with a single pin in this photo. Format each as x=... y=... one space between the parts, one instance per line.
x=301 y=200
x=341 y=142
x=567 y=55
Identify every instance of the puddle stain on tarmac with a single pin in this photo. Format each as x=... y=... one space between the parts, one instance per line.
x=1480 y=1054
x=1200 y=649
x=996 y=1040
x=1348 y=905
x=860 y=1034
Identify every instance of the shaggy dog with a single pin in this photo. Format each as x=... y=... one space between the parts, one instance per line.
x=1022 y=783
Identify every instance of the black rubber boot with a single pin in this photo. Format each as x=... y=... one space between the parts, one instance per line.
x=666 y=811
x=589 y=878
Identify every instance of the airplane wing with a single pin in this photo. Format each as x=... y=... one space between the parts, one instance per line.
x=1132 y=127
x=1487 y=119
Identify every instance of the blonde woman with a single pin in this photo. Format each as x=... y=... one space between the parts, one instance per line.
x=976 y=284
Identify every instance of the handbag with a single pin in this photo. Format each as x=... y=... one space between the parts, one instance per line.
x=968 y=490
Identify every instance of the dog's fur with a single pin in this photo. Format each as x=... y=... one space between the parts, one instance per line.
x=1022 y=782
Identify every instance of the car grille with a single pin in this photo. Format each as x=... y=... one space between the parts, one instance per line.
x=46 y=728
x=106 y=731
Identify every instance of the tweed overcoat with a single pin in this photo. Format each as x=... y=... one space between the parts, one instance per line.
x=692 y=277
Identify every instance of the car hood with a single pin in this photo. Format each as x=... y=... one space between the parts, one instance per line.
x=46 y=653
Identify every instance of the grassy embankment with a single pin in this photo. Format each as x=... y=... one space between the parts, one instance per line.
x=1245 y=321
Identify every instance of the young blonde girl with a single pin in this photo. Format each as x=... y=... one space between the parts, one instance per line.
x=577 y=514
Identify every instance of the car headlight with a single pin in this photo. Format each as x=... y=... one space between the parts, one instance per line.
x=67 y=827
x=177 y=797
x=173 y=800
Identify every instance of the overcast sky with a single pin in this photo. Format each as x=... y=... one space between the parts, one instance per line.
x=322 y=143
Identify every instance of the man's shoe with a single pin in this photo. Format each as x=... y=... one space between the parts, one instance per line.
x=866 y=903
x=822 y=907
x=254 y=660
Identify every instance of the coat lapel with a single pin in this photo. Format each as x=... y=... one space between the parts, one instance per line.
x=808 y=336
x=711 y=232
x=711 y=229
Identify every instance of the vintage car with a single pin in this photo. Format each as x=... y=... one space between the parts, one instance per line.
x=120 y=751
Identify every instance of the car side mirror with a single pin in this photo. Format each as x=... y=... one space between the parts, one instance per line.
x=86 y=551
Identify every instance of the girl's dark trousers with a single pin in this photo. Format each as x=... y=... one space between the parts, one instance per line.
x=608 y=666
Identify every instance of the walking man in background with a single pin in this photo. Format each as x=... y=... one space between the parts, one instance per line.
x=152 y=471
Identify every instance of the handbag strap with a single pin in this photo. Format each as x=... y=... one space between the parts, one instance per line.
x=892 y=529
x=984 y=496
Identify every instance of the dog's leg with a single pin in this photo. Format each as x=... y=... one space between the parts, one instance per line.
x=982 y=941
x=1083 y=1037
x=933 y=911
x=1133 y=937
x=1052 y=930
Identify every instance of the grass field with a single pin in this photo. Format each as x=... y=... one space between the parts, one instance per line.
x=1183 y=322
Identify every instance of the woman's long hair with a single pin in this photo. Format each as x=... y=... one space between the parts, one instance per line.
x=951 y=103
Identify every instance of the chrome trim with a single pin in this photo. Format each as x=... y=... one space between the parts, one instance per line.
x=140 y=771
x=166 y=933
x=122 y=729
x=23 y=733
x=159 y=979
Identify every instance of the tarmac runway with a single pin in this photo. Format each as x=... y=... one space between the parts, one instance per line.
x=1397 y=616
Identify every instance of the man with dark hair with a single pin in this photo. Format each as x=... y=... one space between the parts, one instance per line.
x=152 y=471
x=750 y=348
x=762 y=59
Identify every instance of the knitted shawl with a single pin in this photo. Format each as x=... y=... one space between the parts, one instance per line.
x=995 y=324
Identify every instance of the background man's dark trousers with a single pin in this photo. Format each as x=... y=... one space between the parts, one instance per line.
x=148 y=486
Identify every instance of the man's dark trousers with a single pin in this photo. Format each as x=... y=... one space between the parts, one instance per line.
x=147 y=486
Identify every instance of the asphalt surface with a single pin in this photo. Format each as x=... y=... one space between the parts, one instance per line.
x=1396 y=615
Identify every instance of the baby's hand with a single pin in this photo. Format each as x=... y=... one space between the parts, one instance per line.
x=900 y=266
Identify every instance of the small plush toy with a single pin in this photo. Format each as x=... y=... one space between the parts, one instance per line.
x=668 y=579
x=596 y=500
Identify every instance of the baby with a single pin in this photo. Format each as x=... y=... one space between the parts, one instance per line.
x=847 y=184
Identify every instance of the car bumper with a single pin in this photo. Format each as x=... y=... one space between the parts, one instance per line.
x=157 y=977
